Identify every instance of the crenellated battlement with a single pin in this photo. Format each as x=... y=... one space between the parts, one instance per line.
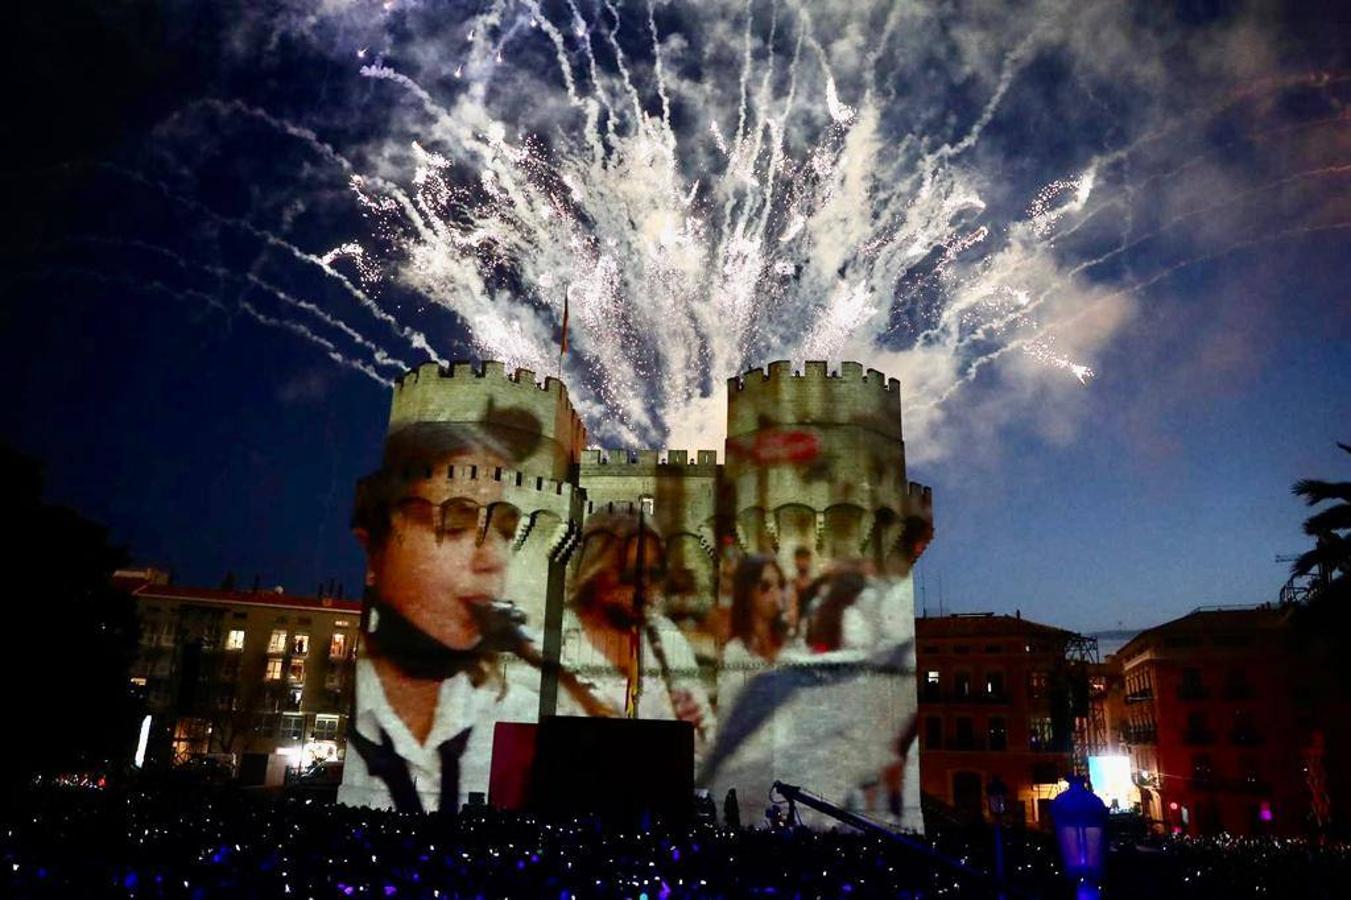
x=477 y=473
x=812 y=371
x=778 y=396
x=920 y=495
x=465 y=393
x=486 y=369
x=621 y=457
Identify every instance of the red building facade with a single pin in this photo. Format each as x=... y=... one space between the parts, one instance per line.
x=1224 y=723
x=992 y=703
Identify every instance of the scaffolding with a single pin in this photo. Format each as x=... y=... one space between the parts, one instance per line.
x=1087 y=693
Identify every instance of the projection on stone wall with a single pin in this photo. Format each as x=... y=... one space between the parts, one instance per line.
x=766 y=599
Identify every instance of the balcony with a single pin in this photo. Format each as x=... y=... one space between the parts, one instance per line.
x=965 y=743
x=1140 y=734
x=1143 y=695
x=1048 y=747
x=973 y=699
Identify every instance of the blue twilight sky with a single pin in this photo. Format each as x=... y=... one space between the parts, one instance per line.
x=172 y=398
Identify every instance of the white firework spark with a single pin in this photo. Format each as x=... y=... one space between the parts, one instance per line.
x=794 y=241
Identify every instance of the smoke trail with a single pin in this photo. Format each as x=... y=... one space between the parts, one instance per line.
x=1285 y=234
x=328 y=348
x=326 y=345
x=710 y=188
x=416 y=338
x=380 y=356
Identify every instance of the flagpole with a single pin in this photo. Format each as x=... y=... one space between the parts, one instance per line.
x=563 y=338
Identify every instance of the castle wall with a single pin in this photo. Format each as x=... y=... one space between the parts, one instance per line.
x=469 y=395
x=814 y=461
x=814 y=396
x=684 y=491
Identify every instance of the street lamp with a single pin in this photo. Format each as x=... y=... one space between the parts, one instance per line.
x=997 y=795
x=1081 y=829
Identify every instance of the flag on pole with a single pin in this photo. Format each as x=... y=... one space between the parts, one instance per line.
x=563 y=343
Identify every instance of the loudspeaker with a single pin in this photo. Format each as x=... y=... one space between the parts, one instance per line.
x=625 y=770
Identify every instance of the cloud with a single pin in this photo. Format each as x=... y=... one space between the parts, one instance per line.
x=309 y=386
x=842 y=179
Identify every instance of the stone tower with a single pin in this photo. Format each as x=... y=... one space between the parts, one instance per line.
x=814 y=465
x=527 y=438
x=816 y=460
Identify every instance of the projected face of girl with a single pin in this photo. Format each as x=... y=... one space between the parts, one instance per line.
x=768 y=595
x=614 y=590
x=444 y=554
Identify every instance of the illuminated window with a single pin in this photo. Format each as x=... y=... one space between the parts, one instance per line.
x=294 y=696
x=1036 y=684
x=994 y=684
x=277 y=643
x=326 y=728
x=273 y=672
x=235 y=639
x=337 y=647
x=932 y=685
x=962 y=683
x=296 y=672
x=1040 y=734
x=292 y=728
x=300 y=643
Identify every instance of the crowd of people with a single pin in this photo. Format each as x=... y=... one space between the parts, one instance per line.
x=64 y=842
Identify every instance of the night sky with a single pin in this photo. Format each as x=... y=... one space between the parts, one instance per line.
x=151 y=149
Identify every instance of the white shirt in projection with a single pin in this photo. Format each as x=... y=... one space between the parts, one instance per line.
x=459 y=705
x=829 y=722
x=738 y=666
x=585 y=655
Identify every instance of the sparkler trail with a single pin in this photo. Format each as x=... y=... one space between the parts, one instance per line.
x=671 y=286
x=328 y=347
x=416 y=338
x=381 y=357
x=707 y=189
x=135 y=285
x=1043 y=353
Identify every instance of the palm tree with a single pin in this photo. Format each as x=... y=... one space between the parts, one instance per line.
x=1329 y=562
